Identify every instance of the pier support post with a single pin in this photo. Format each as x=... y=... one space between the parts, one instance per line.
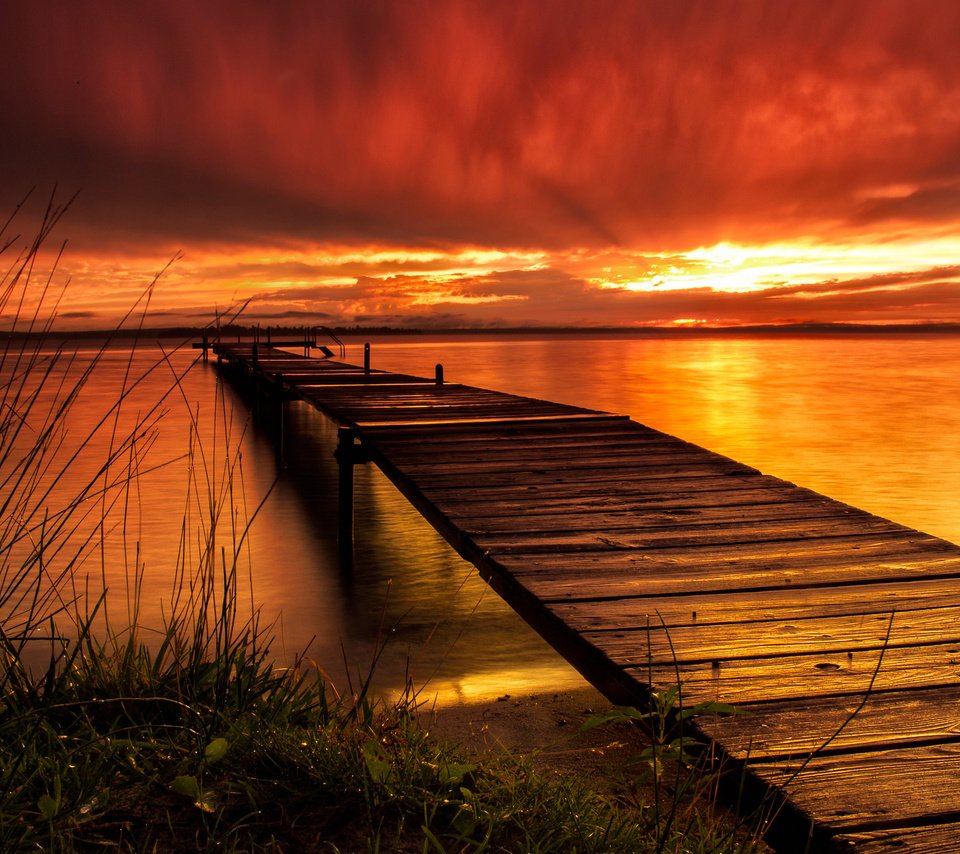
x=439 y=374
x=366 y=357
x=347 y=454
x=344 y=455
x=281 y=450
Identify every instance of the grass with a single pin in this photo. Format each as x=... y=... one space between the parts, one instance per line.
x=195 y=741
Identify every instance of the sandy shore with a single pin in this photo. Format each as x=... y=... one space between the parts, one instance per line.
x=545 y=727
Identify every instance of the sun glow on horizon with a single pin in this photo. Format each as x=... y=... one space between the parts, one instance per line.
x=467 y=285
x=738 y=268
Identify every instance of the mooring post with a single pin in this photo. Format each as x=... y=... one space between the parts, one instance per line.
x=366 y=357
x=268 y=336
x=439 y=374
x=281 y=455
x=206 y=345
x=345 y=458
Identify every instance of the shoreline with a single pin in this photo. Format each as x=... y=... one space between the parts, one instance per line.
x=544 y=727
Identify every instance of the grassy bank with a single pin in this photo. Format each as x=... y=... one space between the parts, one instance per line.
x=186 y=737
x=122 y=748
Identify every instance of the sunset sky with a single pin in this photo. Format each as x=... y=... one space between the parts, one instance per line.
x=492 y=163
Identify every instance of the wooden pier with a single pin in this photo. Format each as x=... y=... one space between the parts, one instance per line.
x=642 y=558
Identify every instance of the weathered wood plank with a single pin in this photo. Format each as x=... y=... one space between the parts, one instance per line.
x=791 y=677
x=694 y=468
x=801 y=727
x=577 y=423
x=924 y=839
x=546 y=448
x=850 y=792
x=644 y=454
x=688 y=490
x=682 y=536
x=654 y=572
x=574 y=517
x=765 y=639
x=792 y=603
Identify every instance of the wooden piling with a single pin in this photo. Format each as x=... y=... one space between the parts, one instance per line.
x=366 y=357
x=439 y=374
x=345 y=458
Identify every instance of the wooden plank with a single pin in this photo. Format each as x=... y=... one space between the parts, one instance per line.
x=694 y=468
x=794 y=677
x=421 y=429
x=465 y=450
x=801 y=727
x=923 y=839
x=682 y=536
x=725 y=642
x=601 y=429
x=844 y=553
x=650 y=459
x=793 y=603
x=618 y=576
x=573 y=517
x=305 y=381
x=426 y=455
x=652 y=496
x=869 y=790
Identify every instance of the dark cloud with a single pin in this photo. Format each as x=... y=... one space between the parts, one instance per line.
x=501 y=123
x=938 y=204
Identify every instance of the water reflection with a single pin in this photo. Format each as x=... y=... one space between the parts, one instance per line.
x=441 y=624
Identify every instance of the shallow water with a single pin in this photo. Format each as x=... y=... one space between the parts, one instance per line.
x=870 y=420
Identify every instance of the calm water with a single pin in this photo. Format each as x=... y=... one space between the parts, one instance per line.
x=870 y=420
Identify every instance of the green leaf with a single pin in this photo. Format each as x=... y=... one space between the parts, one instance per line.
x=377 y=766
x=216 y=750
x=187 y=786
x=465 y=822
x=616 y=714
x=49 y=806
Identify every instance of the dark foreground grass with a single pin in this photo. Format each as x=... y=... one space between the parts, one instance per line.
x=195 y=741
x=127 y=750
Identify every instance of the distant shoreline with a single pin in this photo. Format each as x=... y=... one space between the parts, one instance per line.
x=233 y=330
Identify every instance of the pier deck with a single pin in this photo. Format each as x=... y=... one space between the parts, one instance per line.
x=641 y=558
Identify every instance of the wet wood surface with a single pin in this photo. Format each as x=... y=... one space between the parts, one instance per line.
x=643 y=559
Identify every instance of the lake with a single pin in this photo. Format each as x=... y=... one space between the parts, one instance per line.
x=869 y=419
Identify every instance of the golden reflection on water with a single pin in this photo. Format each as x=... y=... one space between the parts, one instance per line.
x=871 y=420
